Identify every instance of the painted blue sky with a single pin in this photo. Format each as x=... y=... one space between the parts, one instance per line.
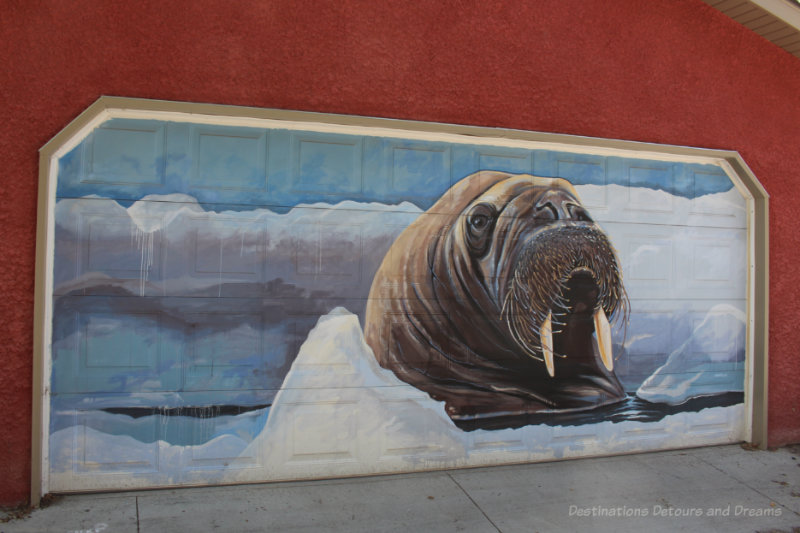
x=239 y=168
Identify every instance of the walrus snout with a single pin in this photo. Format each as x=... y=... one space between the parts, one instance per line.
x=565 y=275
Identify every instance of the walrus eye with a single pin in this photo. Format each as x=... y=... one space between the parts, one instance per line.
x=480 y=222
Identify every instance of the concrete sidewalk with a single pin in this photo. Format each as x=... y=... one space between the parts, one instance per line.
x=725 y=488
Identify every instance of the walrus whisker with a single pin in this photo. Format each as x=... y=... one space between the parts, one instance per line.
x=529 y=350
x=505 y=304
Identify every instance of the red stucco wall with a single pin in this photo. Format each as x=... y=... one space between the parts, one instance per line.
x=673 y=72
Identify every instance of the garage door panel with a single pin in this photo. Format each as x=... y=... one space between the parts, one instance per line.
x=222 y=158
x=402 y=170
x=590 y=171
x=220 y=453
x=519 y=162
x=342 y=442
x=112 y=346
x=498 y=443
x=120 y=158
x=224 y=359
x=328 y=254
x=102 y=249
x=641 y=177
x=420 y=445
x=725 y=210
x=717 y=428
x=221 y=257
x=130 y=154
x=90 y=456
x=325 y=164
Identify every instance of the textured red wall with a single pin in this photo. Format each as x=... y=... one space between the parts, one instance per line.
x=673 y=72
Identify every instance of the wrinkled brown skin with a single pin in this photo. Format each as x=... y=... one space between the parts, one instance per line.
x=434 y=310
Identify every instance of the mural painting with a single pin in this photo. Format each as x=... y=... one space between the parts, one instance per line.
x=501 y=309
x=253 y=303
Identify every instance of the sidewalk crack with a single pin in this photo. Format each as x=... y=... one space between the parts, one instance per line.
x=474 y=502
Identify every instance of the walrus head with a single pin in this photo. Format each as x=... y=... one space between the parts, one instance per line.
x=503 y=298
x=555 y=276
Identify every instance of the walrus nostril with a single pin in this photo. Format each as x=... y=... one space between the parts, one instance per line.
x=556 y=205
x=546 y=211
x=578 y=213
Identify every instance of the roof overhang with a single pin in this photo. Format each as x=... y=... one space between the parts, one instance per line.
x=777 y=21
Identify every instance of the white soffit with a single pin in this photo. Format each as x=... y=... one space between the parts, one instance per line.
x=777 y=21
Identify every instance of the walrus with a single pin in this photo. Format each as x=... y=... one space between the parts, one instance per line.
x=497 y=301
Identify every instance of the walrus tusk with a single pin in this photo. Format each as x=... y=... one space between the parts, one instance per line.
x=603 y=331
x=546 y=338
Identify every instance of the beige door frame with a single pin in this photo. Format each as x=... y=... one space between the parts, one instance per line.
x=107 y=107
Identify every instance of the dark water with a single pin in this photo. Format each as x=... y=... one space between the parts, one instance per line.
x=209 y=411
x=632 y=409
x=637 y=410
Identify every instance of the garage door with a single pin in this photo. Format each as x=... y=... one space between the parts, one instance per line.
x=242 y=299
